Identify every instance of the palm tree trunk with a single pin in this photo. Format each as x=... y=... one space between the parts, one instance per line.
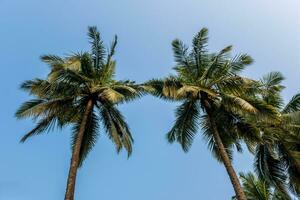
x=240 y=195
x=76 y=152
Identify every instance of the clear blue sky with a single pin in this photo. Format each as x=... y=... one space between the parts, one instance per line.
x=268 y=30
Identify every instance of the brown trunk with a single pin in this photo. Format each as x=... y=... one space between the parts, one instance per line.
x=76 y=152
x=240 y=195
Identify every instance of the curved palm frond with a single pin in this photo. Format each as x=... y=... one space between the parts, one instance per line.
x=185 y=126
x=293 y=105
x=116 y=127
x=89 y=138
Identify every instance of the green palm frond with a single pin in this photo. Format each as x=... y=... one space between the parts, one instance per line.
x=272 y=79
x=163 y=88
x=235 y=102
x=180 y=52
x=53 y=61
x=238 y=63
x=130 y=91
x=228 y=142
x=254 y=188
x=293 y=105
x=257 y=189
x=98 y=49
x=107 y=72
x=31 y=108
x=290 y=155
x=185 y=126
x=268 y=166
x=200 y=42
x=43 y=125
x=112 y=49
x=89 y=138
x=116 y=127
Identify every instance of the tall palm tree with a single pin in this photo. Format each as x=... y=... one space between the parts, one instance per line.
x=81 y=90
x=211 y=90
x=277 y=158
x=256 y=189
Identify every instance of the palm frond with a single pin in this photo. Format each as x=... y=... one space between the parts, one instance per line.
x=45 y=124
x=53 y=61
x=31 y=108
x=98 y=49
x=269 y=167
x=90 y=136
x=238 y=63
x=254 y=188
x=112 y=49
x=293 y=105
x=166 y=89
x=180 y=52
x=272 y=79
x=185 y=127
x=235 y=102
x=116 y=127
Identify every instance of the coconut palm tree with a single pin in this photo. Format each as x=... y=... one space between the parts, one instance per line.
x=81 y=91
x=256 y=189
x=277 y=158
x=211 y=91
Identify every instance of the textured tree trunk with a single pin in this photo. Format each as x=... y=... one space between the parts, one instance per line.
x=76 y=152
x=240 y=195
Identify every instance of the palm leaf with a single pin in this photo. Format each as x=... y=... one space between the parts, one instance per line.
x=185 y=126
x=98 y=49
x=293 y=105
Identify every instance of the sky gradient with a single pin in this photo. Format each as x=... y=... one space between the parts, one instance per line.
x=267 y=30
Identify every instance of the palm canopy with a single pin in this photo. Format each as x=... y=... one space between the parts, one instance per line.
x=215 y=96
x=212 y=77
x=277 y=158
x=75 y=80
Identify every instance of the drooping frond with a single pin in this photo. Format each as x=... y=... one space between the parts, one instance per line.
x=228 y=142
x=90 y=136
x=45 y=124
x=269 y=167
x=290 y=156
x=116 y=127
x=186 y=124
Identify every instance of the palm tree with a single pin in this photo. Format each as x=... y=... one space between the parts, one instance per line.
x=277 y=158
x=81 y=91
x=256 y=189
x=209 y=84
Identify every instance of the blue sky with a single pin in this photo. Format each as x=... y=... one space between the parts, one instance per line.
x=268 y=30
